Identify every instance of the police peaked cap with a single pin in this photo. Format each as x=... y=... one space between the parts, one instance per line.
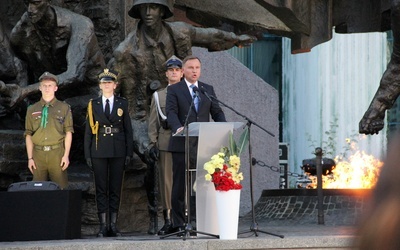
x=168 y=7
x=173 y=62
x=108 y=75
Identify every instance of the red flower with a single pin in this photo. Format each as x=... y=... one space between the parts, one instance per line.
x=223 y=171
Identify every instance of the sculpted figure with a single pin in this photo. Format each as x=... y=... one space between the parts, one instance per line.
x=140 y=58
x=11 y=72
x=50 y=38
x=389 y=87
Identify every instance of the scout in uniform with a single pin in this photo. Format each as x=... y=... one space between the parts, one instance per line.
x=48 y=134
x=108 y=148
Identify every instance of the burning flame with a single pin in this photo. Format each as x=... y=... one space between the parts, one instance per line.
x=359 y=171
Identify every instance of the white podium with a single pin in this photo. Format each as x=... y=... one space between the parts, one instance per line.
x=212 y=136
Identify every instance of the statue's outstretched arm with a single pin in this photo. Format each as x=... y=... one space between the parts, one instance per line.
x=389 y=87
x=218 y=40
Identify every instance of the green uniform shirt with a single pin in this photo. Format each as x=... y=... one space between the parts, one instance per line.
x=59 y=122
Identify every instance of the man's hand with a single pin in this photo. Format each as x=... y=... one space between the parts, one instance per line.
x=245 y=40
x=31 y=165
x=372 y=122
x=151 y=155
x=179 y=130
x=154 y=153
x=64 y=163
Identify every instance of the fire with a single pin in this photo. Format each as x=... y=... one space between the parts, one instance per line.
x=360 y=170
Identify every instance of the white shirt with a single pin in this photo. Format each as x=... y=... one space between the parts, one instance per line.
x=111 y=101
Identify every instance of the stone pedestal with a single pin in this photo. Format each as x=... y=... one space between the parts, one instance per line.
x=13 y=159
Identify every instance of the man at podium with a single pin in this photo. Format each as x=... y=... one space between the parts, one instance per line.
x=187 y=102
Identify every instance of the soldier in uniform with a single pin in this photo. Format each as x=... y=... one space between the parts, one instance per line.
x=108 y=149
x=159 y=134
x=48 y=134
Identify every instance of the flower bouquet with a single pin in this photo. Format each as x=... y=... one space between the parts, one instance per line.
x=223 y=172
x=223 y=168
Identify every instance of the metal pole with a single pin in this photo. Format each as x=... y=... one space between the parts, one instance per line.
x=318 y=159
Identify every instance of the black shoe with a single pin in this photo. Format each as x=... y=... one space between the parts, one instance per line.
x=113 y=232
x=103 y=231
x=103 y=225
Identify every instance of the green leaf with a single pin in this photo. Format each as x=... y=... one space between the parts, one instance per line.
x=232 y=144
x=243 y=141
x=237 y=149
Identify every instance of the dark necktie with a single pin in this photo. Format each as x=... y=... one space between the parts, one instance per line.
x=107 y=109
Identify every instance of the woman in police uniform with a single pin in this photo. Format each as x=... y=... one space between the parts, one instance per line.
x=108 y=148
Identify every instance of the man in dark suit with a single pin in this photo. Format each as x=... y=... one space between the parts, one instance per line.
x=179 y=99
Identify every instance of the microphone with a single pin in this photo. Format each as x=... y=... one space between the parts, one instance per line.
x=196 y=92
x=203 y=90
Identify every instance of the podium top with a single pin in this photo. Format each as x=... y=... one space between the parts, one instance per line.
x=194 y=127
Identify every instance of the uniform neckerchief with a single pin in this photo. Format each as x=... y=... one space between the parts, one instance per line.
x=45 y=112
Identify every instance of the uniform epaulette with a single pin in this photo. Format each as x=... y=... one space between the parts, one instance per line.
x=120 y=97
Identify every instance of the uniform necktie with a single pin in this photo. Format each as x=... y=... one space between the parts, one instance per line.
x=195 y=99
x=107 y=109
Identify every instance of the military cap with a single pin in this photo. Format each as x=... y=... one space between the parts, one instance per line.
x=108 y=75
x=48 y=75
x=173 y=62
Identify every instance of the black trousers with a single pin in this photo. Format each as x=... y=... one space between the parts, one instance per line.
x=178 y=187
x=108 y=176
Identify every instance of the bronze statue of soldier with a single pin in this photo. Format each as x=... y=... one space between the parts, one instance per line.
x=51 y=38
x=140 y=58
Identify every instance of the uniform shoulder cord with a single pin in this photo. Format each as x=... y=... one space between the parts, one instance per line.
x=164 y=117
x=93 y=126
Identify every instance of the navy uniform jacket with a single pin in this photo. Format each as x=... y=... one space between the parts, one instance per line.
x=178 y=103
x=119 y=144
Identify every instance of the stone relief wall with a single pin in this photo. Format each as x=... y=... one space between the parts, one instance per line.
x=109 y=27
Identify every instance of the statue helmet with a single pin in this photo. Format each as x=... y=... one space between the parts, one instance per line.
x=167 y=4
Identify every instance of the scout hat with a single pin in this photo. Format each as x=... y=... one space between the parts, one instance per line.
x=48 y=75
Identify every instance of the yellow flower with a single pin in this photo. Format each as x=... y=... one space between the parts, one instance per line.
x=209 y=167
x=234 y=161
x=216 y=172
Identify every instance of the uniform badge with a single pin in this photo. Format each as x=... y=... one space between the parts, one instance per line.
x=120 y=112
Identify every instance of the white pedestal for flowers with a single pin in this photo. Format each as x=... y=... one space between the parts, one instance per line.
x=228 y=203
x=212 y=136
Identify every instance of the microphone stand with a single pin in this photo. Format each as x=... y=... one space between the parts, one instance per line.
x=188 y=226
x=254 y=226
